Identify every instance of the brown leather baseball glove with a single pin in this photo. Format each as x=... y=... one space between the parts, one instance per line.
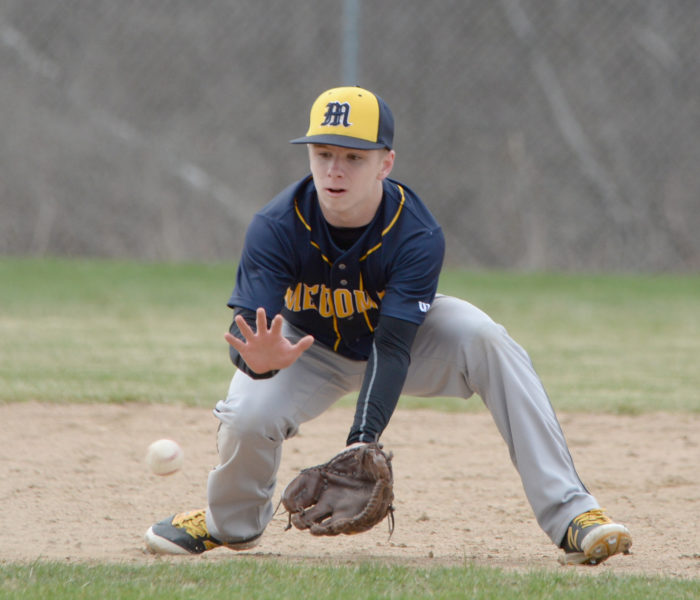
x=349 y=494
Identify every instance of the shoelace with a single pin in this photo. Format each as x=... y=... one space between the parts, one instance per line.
x=194 y=524
x=596 y=516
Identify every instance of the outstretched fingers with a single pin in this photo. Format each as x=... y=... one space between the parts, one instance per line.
x=261 y=320
x=304 y=343
x=235 y=342
x=266 y=349
x=244 y=328
x=276 y=325
x=294 y=351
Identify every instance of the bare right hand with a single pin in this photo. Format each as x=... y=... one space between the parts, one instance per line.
x=267 y=349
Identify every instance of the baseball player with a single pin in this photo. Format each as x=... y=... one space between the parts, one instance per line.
x=336 y=292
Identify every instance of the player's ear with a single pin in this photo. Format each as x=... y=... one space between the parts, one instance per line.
x=387 y=163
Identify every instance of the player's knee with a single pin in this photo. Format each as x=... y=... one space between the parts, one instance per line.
x=479 y=340
x=490 y=333
x=256 y=420
x=493 y=347
x=470 y=330
x=459 y=323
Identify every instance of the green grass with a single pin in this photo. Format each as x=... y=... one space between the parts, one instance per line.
x=98 y=331
x=104 y=331
x=609 y=343
x=253 y=579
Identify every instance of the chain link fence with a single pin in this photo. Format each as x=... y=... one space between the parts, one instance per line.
x=543 y=135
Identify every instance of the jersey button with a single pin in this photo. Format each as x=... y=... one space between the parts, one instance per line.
x=341 y=266
x=343 y=282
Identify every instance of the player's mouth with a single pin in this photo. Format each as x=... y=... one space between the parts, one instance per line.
x=335 y=191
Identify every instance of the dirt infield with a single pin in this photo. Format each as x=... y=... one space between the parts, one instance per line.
x=74 y=487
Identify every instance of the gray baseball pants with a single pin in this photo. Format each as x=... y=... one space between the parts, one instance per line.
x=458 y=351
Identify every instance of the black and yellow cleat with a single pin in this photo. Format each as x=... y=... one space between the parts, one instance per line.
x=593 y=537
x=187 y=533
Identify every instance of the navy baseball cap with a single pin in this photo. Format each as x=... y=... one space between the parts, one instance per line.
x=350 y=117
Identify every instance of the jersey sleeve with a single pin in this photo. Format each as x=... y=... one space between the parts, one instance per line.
x=413 y=280
x=266 y=268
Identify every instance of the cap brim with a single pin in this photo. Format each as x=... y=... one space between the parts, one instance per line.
x=339 y=140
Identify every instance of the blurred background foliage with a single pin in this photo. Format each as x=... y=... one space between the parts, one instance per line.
x=545 y=135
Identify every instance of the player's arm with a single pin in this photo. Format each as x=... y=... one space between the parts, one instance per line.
x=268 y=264
x=384 y=378
x=411 y=288
x=257 y=345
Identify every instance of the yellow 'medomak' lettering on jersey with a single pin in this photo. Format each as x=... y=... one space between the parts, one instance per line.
x=340 y=303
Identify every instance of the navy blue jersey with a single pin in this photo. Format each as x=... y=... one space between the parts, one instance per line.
x=291 y=265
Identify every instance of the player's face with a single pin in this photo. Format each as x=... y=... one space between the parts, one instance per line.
x=349 y=182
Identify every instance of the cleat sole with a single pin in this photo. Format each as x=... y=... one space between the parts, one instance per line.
x=599 y=545
x=156 y=544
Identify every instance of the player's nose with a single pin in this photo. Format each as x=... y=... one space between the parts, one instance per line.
x=334 y=167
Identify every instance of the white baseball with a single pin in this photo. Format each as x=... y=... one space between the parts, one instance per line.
x=165 y=457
